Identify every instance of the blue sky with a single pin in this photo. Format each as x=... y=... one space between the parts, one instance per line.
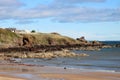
x=94 y=19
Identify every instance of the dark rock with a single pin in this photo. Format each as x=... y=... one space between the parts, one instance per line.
x=82 y=39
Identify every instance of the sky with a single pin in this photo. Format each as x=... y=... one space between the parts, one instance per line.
x=94 y=19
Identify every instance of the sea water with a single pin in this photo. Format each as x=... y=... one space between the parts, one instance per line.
x=107 y=59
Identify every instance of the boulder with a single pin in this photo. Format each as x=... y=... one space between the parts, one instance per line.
x=82 y=39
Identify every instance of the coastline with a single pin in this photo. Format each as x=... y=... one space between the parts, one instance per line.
x=34 y=72
x=10 y=70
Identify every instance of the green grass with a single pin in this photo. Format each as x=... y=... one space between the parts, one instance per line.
x=55 y=39
x=7 y=36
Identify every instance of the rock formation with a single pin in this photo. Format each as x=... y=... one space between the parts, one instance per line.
x=45 y=55
x=82 y=39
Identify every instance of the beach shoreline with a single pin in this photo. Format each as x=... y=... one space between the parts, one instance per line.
x=33 y=72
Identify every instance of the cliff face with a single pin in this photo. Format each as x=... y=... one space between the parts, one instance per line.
x=47 y=39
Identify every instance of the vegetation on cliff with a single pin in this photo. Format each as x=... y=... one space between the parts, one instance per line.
x=12 y=39
x=42 y=44
x=7 y=37
x=48 y=39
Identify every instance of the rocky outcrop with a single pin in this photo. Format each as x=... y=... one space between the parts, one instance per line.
x=107 y=46
x=28 y=40
x=89 y=48
x=96 y=43
x=82 y=39
x=45 y=55
x=117 y=45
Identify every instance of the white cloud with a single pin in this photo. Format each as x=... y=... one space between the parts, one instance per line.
x=7 y=7
x=78 y=14
x=10 y=3
x=66 y=13
x=25 y=21
x=76 y=1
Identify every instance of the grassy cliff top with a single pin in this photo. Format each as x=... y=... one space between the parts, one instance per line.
x=49 y=39
x=15 y=39
x=6 y=36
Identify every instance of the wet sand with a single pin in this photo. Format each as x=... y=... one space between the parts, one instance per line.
x=84 y=76
x=33 y=72
x=7 y=77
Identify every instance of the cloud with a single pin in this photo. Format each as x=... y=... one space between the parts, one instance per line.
x=65 y=13
x=77 y=1
x=70 y=14
x=25 y=21
x=7 y=7
x=10 y=3
x=81 y=14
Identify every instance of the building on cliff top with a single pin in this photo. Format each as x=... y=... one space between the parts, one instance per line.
x=17 y=31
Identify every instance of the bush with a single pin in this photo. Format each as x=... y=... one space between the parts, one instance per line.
x=33 y=31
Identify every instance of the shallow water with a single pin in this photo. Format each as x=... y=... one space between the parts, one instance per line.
x=106 y=59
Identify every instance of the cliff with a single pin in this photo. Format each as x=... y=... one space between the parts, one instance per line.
x=44 y=45
x=11 y=39
x=50 y=41
x=7 y=38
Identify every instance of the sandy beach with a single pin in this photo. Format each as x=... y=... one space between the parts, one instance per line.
x=84 y=76
x=8 y=78
x=33 y=72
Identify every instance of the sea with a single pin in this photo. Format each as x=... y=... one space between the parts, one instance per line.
x=107 y=59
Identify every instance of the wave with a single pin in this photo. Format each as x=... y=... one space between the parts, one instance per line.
x=90 y=70
x=98 y=65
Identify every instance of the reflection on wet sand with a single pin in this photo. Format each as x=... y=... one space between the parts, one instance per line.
x=14 y=71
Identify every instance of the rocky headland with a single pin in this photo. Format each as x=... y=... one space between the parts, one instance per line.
x=43 y=45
